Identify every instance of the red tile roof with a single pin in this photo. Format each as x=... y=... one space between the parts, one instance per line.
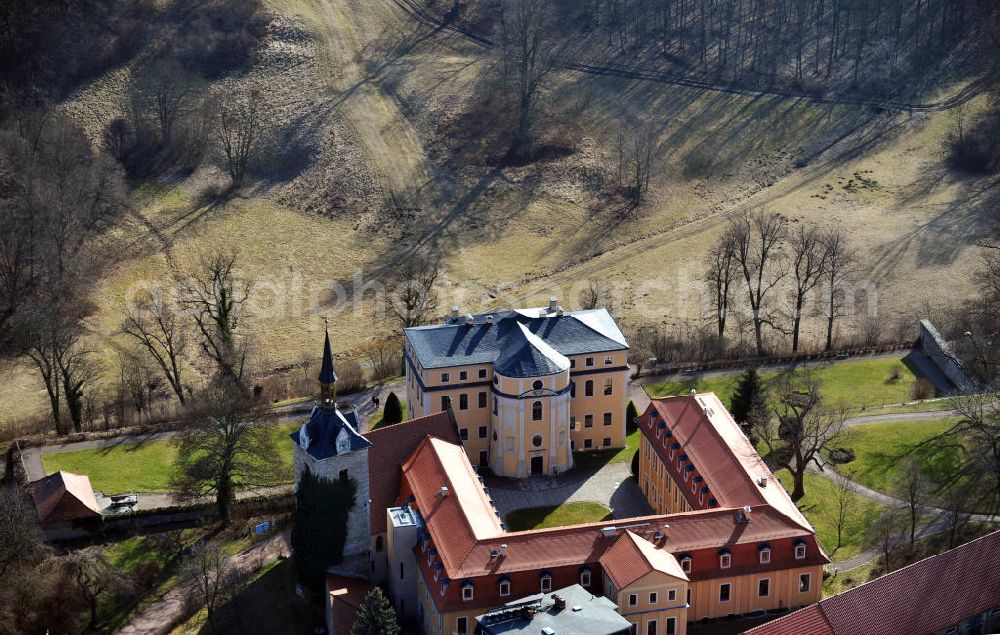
x=345 y=596
x=391 y=446
x=64 y=496
x=632 y=558
x=719 y=451
x=927 y=596
x=458 y=520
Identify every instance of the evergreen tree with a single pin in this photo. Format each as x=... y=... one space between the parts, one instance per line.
x=749 y=400
x=322 y=508
x=630 y=417
x=393 y=412
x=375 y=616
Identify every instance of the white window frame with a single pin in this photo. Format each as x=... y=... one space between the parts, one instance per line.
x=585 y=578
x=686 y=565
x=800 y=552
x=633 y=599
x=654 y=597
x=808 y=578
x=468 y=593
x=504 y=584
x=768 y=594
x=725 y=560
x=765 y=556
x=546 y=583
x=730 y=599
x=671 y=595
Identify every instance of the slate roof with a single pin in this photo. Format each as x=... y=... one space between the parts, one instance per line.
x=391 y=446
x=326 y=373
x=631 y=558
x=482 y=342
x=322 y=429
x=524 y=354
x=596 y=615
x=924 y=597
x=64 y=496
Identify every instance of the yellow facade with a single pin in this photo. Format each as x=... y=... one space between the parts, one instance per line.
x=664 y=495
x=594 y=418
x=744 y=592
x=655 y=604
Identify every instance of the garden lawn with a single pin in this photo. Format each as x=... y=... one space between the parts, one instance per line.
x=144 y=466
x=820 y=507
x=379 y=422
x=879 y=449
x=854 y=383
x=599 y=458
x=558 y=516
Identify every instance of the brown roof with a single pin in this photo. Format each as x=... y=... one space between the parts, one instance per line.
x=927 y=596
x=719 y=451
x=631 y=558
x=391 y=446
x=345 y=596
x=64 y=496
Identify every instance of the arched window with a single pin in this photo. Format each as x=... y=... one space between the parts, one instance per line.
x=378 y=544
x=537 y=385
x=536 y=411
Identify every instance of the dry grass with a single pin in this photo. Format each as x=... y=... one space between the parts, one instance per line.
x=371 y=94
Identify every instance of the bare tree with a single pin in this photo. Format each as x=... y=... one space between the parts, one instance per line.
x=979 y=427
x=720 y=270
x=803 y=429
x=383 y=355
x=840 y=260
x=169 y=89
x=216 y=297
x=95 y=578
x=885 y=533
x=220 y=447
x=757 y=237
x=241 y=129
x=21 y=540
x=808 y=259
x=414 y=297
x=596 y=295
x=212 y=579
x=911 y=485
x=844 y=500
x=154 y=325
x=527 y=58
x=955 y=501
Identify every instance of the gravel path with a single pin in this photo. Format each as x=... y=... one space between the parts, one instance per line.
x=167 y=612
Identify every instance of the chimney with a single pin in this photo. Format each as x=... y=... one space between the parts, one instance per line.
x=693 y=392
x=553 y=303
x=443 y=492
x=503 y=550
x=469 y=319
x=560 y=602
x=454 y=313
x=762 y=481
x=489 y=319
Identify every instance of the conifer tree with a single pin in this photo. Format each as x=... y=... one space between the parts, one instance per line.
x=375 y=616
x=393 y=412
x=322 y=509
x=749 y=400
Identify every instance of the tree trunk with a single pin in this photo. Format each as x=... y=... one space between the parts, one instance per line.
x=799 y=488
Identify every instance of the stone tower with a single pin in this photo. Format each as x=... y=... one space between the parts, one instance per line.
x=330 y=445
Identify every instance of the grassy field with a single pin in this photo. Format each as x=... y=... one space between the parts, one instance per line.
x=378 y=420
x=854 y=383
x=598 y=458
x=142 y=467
x=880 y=447
x=558 y=516
x=819 y=506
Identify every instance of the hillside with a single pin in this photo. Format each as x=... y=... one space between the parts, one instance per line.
x=381 y=148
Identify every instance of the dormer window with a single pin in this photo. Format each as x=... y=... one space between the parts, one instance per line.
x=504 y=588
x=800 y=551
x=765 y=555
x=537 y=384
x=686 y=564
x=546 y=580
x=585 y=578
x=725 y=561
x=468 y=592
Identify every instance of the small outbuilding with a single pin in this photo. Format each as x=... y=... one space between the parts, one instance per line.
x=64 y=497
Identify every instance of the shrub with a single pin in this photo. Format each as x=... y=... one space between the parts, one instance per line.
x=383 y=356
x=217 y=37
x=841 y=456
x=630 y=418
x=896 y=374
x=350 y=377
x=393 y=411
x=922 y=389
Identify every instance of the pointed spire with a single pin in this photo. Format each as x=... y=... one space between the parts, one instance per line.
x=326 y=372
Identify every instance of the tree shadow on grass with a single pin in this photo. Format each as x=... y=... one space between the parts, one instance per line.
x=268 y=605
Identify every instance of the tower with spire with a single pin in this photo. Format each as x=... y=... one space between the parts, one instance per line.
x=330 y=446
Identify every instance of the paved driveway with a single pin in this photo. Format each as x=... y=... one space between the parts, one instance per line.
x=611 y=485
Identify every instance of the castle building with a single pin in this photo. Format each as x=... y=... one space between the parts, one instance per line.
x=733 y=543
x=528 y=387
